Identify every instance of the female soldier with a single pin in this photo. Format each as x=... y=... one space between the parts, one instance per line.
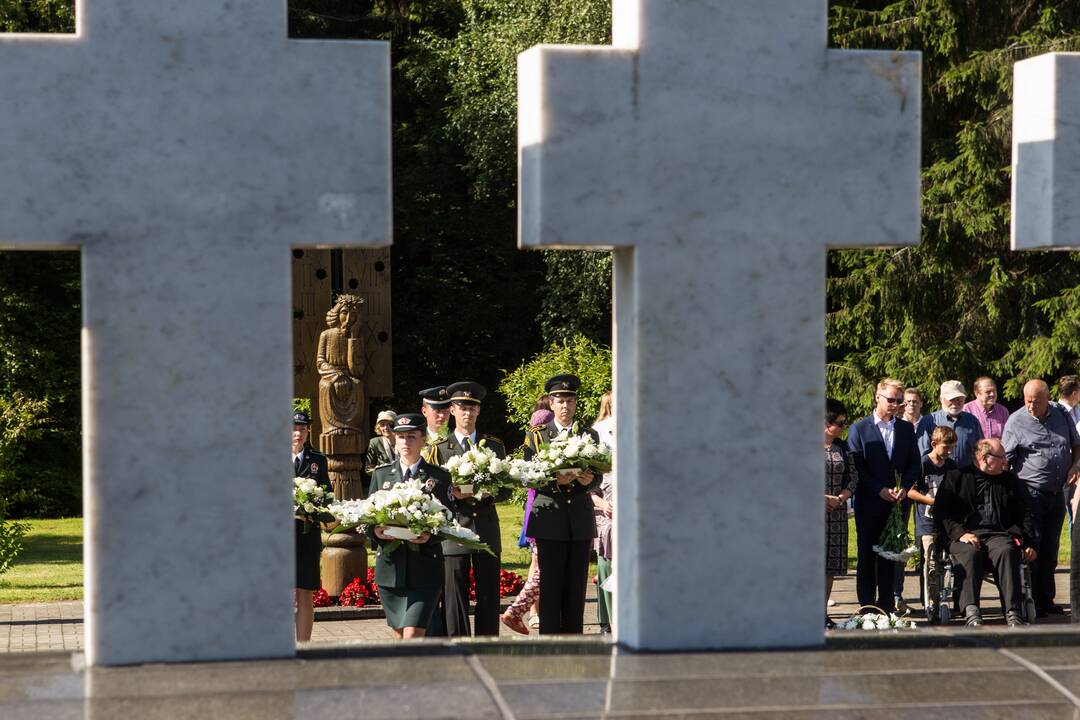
x=410 y=580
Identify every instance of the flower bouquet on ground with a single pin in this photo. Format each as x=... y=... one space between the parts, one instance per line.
x=406 y=512
x=895 y=542
x=877 y=621
x=311 y=501
x=479 y=471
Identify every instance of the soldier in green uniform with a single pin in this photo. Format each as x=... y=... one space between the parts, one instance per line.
x=410 y=580
x=561 y=520
x=477 y=514
x=436 y=411
x=307 y=463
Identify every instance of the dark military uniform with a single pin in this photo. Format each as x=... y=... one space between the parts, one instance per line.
x=409 y=582
x=481 y=517
x=312 y=464
x=563 y=526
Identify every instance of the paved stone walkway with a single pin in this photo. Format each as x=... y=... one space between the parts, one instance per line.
x=59 y=625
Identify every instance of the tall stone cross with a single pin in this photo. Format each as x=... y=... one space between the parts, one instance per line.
x=720 y=148
x=1046 y=176
x=184 y=146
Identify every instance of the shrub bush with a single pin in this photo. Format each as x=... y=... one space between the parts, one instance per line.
x=580 y=356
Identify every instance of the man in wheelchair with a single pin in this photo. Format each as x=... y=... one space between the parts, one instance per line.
x=982 y=512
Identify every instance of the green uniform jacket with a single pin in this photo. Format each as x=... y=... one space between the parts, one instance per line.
x=379 y=452
x=314 y=465
x=561 y=512
x=479 y=516
x=403 y=568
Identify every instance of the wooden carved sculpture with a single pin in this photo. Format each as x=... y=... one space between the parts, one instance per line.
x=342 y=408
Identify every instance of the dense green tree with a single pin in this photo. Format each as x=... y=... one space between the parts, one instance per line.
x=39 y=384
x=961 y=304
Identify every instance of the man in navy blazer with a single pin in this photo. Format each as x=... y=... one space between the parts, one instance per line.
x=881 y=445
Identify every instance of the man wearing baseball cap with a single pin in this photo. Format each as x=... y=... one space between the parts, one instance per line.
x=477 y=514
x=964 y=424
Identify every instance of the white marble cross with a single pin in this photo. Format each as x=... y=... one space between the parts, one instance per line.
x=1046 y=176
x=184 y=146
x=720 y=148
x=1046 y=153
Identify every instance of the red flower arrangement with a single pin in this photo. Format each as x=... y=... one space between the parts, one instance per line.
x=510 y=583
x=359 y=594
x=354 y=594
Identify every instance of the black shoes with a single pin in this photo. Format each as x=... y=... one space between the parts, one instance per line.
x=829 y=624
x=974 y=617
x=1013 y=619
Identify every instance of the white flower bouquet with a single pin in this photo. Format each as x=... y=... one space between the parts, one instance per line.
x=311 y=501
x=575 y=452
x=895 y=542
x=479 y=471
x=877 y=621
x=530 y=473
x=408 y=512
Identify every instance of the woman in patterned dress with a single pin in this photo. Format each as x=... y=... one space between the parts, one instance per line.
x=840 y=481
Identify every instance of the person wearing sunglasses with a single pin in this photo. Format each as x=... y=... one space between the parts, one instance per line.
x=840 y=482
x=883 y=447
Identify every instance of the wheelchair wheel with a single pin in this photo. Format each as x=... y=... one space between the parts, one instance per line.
x=944 y=613
x=1029 y=611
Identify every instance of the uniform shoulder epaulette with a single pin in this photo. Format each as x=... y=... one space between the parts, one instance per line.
x=538 y=428
x=316 y=453
x=494 y=438
x=385 y=464
x=439 y=441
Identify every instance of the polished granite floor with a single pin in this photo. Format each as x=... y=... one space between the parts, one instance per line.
x=997 y=677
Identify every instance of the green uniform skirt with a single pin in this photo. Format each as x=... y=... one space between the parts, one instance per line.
x=308 y=552
x=409 y=608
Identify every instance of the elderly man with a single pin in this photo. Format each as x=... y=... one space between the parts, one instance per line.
x=952 y=415
x=882 y=446
x=983 y=512
x=985 y=408
x=1044 y=451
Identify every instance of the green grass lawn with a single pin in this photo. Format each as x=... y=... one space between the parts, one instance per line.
x=1064 y=549
x=50 y=567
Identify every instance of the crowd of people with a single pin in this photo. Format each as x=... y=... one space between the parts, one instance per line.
x=990 y=488
x=425 y=588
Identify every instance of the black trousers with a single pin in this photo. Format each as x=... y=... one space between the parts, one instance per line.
x=1004 y=556
x=564 y=569
x=456 y=594
x=875 y=577
x=1048 y=515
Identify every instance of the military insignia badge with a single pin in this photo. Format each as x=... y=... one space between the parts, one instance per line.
x=314 y=467
x=430 y=484
x=386 y=485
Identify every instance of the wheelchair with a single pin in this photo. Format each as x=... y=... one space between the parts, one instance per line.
x=948 y=596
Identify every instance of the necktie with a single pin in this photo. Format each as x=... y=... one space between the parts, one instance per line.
x=408 y=475
x=296 y=464
x=467 y=444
